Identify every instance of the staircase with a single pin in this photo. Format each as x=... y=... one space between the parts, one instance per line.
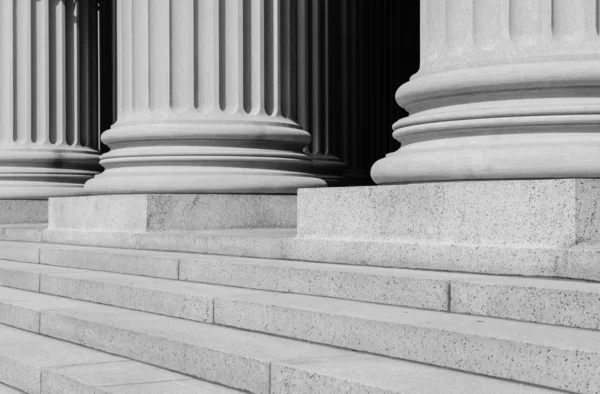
x=79 y=319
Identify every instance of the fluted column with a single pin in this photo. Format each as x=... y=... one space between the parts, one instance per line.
x=314 y=104
x=506 y=90
x=200 y=101
x=48 y=130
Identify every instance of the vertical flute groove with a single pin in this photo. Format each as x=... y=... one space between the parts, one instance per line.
x=23 y=71
x=272 y=55
x=42 y=93
x=209 y=75
x=181 y=46
x=159 y=33
x=7 y=19
x=141 y=56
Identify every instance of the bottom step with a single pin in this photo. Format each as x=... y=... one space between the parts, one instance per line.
x=37 y=364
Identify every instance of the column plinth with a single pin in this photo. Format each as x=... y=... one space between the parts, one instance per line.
x=506 y=90
x=201 y=102
x=48 y=135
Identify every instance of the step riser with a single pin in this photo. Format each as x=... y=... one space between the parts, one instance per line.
x=550 y=305
x=186 y=306
x=156 y=267
x=413 y=292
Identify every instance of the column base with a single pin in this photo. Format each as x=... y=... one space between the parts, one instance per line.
x=41 y=171
x=234 y=156
x=511 y=121
x=329 y=168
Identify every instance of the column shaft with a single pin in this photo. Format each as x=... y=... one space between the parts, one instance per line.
x=314 y=103
x=506 y=90
x=200 y=99
x=48 y=124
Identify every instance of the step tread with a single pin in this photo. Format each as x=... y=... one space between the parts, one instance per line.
x=35 y=363
x=118 y=331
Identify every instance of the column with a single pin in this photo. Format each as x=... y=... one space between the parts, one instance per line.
x=506 y=90
x=201 y=100
x=48 y=123
x=313 y=99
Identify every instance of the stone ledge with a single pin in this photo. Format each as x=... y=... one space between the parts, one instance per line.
x=556 y=213
x=23 y=211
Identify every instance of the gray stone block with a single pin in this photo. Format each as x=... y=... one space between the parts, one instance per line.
x=557 y=357
x=557 y=212
x=379 y=375
x=23 y=211
x=172 y=212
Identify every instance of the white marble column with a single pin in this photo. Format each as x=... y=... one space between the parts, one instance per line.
x=508 y=89
x=48 y=130
x=200 y=101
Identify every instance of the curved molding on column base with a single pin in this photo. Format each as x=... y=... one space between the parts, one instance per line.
x=329 y=168
x=40 y=173
x=487 y=157
x=522 y=121
x=216 y=156
x=200 y=180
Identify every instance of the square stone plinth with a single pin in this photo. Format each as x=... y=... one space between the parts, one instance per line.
x=23 y=211
x=560 y=212
x=172 y=212
x=521 y=227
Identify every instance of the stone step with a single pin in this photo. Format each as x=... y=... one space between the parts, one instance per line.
x=254 y=362
x=4 y=389
x=550 y=301
x=37 y=364
x=191 y=301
